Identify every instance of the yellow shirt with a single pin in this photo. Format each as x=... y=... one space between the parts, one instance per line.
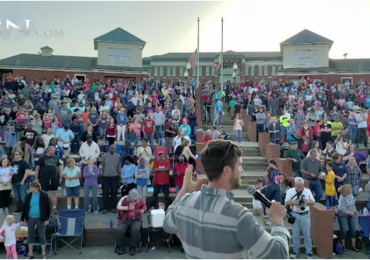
x=329 y=185
x=151 y=165
x=336 y=131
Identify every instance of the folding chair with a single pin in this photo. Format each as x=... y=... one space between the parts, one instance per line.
x=72 y=223
x=364 y=232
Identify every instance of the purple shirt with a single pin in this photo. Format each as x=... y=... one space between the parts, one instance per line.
x=357 y=155
x=91 y=176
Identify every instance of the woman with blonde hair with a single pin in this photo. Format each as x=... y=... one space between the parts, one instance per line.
x=10 y=240
x=72 y=174
x=354 y=175
x=347 y=216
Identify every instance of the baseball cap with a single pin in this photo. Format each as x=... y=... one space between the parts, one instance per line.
x=160 y=152
x=293 y=142
x=133 y=194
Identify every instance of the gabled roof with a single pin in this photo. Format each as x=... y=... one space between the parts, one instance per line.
x=306 y=37
x=46 y=48
x=118 y=36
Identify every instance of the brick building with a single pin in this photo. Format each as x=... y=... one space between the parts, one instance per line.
x=304 y=54
x=120 y=56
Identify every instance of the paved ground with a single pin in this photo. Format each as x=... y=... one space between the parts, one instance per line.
x=158 y=253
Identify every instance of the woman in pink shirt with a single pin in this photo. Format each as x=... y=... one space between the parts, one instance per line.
x=136 y=127
x=341 y=101
x=238 y=127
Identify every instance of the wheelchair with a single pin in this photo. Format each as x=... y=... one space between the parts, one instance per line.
x=168 y=241
x=128 y=234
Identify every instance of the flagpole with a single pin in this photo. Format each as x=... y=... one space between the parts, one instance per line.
x=198 y=57
x=222 y=52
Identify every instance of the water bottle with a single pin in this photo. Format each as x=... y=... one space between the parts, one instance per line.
x=198 y=155
x=111 y=223
x=198 y=171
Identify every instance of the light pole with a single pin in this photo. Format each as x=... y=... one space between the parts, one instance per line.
x=188 y=67
x=235 y=68
x=186 y=74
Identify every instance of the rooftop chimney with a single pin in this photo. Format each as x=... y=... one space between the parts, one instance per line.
x=46 y=51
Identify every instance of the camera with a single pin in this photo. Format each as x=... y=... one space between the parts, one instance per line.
x=302 y=205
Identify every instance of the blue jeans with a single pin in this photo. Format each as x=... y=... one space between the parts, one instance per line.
x=272 y=192
x=67 y=122
x=302 y=223
x=347 y=223
x=94 y=191
x=130 y=150
x=316 y=187
x=178 y=188
x=238 y=135
x=331 y=202
x=20 y=192
x=353 y=134
x=273 y=110
x=158 y=132
x=356 y=190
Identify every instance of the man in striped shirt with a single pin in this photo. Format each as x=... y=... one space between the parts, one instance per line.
x=211 y=225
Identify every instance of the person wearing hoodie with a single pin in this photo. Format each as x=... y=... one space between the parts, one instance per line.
x=128 y=174
x=90 y=174
x=121 y=124
x=130 y=139
x=142 y=178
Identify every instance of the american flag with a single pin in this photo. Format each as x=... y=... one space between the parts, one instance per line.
x=193 y=59
x=217 y=64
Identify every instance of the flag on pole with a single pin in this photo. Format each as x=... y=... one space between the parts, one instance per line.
x=217 y=65
x=193 y=59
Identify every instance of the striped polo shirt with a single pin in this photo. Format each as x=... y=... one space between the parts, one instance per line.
x=212 y=225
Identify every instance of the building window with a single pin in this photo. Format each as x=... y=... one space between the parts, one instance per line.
x=174 y=70
x=265 y=71
x=280 y=68
x=155 y=71
x=260 y=70
x=168 y=71
x=120 y=56
x=161 y=71
x=207 y=71
x=246 y=70
x=273 y=71
x=182 y=71
x=213 y=71
x=194 y=72
x=252 y=71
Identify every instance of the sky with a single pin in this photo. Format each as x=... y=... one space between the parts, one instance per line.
x=70 y=27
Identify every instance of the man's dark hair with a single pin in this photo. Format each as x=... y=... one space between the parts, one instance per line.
x=214 y=127
x=335 y=156
x=258 y=181
x=216 y=155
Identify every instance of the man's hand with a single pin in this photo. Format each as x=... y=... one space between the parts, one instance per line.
x=46 y=223
x=276 y=213
x=294 y=160
x=131 y=207
x=189 y=185
x=142 y=211
x=312 y=175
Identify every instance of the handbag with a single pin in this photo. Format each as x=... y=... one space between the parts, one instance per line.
x=291 y=218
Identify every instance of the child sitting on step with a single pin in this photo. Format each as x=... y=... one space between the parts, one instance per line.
x=257 y=205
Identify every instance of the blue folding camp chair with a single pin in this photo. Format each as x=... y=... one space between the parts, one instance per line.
x=72 y=223
x=364 y=232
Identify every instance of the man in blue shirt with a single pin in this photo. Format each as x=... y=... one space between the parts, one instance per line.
x=10 y=139
x=367 y=101
x=65 y=137
x=291 y=131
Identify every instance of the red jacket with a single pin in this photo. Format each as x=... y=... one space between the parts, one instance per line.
x=125 y=214
x=111 y=130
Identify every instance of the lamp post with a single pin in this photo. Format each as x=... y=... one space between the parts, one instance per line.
x=188 y=67
x=235 y=68
x=186 y=74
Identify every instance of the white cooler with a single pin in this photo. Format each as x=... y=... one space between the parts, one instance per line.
x=157 y=218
